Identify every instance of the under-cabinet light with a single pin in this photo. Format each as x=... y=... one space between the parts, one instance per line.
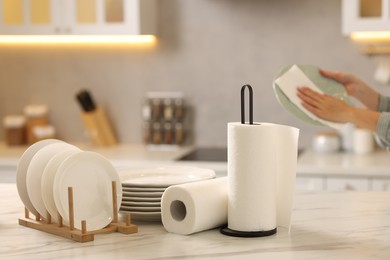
x=371 y=36
x=77 y=39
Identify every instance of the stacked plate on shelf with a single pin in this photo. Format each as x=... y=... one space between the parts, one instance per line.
x=142 y=188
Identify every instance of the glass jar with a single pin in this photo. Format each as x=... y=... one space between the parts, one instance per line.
x=157 y=133
x=179 y=133
x=168 y=109
x=36 y=115
x=44 y=132
x=15 y=129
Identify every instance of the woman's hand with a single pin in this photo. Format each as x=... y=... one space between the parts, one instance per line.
x=336 y=110
x=355 y=87
x=325 y=106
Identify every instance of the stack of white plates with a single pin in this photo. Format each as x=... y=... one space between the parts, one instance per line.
x=142 y=188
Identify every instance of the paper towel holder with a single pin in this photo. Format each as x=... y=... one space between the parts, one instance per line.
x=225 y=230
x=243 y=104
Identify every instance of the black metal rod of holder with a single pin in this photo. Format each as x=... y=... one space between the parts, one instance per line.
x=250 y=104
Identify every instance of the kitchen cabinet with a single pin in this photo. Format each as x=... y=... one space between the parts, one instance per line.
x=307 y=183
x=348 y=184
x=332 y=183
x=337 y=183
x=77 y=17
x=343 y=171
x=381 y=185
x=365 y=15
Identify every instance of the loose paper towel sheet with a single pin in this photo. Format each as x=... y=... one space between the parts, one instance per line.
x=290 y=81
x=197 y=206
x=262 y=162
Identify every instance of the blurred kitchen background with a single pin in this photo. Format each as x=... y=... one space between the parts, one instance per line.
x=206 y=49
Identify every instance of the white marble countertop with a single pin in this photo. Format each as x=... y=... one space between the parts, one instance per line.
x=344 y=164
x=325 y=226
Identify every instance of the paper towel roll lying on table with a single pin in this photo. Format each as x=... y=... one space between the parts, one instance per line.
x=262 y=161
x=197 y=206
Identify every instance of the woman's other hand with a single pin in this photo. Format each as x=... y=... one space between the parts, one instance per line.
x=355 y=87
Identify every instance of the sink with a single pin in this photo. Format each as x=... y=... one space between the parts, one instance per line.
x=211 y=155
x=207 y=155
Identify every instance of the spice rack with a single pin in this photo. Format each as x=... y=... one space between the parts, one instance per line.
x=70 y=231
x=163 y=115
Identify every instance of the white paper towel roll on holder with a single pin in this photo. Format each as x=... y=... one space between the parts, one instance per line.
x=225 y=230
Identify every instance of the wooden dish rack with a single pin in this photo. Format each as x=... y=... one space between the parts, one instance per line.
x=70 y=231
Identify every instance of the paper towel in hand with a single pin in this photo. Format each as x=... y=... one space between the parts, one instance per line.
x=290 y=81
x=197 y=206
x=262 y=162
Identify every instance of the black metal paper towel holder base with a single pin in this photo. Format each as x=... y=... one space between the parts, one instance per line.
x=235 y=233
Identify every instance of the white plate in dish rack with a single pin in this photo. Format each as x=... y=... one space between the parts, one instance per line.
x=35 y=172
x=48 y=180
x=21 y=171
x=90 y=175
x=163 y=176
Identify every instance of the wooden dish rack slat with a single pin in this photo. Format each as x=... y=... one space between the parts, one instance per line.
x=70 y=231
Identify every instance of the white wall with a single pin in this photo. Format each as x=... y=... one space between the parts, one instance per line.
x=207 y=49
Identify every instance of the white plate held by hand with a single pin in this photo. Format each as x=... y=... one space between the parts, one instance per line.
x=294 y=76
x=90 y=175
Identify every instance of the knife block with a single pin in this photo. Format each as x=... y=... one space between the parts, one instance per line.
x=98 y=127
